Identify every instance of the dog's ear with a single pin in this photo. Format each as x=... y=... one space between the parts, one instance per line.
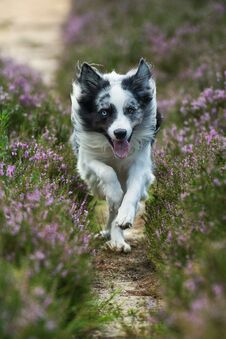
x=143 y=73
x=88 y=78
x=138 y=83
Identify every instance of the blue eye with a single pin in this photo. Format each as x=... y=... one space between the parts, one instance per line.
x=104 y=113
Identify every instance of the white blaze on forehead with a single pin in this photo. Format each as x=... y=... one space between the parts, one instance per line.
x=113 y=77
x=119 y=97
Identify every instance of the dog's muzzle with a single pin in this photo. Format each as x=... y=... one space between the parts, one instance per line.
x=120 y=145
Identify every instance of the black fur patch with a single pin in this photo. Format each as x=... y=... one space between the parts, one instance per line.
x=138 y=84
x=91 y=84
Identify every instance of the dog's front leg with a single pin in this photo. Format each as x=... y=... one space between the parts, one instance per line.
x=103 y=179
x=110 y=187
x=139 y=178
x=104 y=183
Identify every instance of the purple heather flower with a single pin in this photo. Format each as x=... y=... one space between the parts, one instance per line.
x=166 y=105
x=212 y=134
x=10 y=170
x=39 y=291
x=34 y=196
x=39 y=255
x=49 y=201
x=216 y=182
x=190 y=285
x=219 y=7
x=184 y=195
x=200 y=71
x=169 y=236
x=1 y=194
x=74 y=27
x=200 y=304
x=188 y=148
x=26 y=154
x=218 y=290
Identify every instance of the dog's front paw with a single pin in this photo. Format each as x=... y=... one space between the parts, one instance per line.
x=104 y=234
x=116 y=246
x=125 y=218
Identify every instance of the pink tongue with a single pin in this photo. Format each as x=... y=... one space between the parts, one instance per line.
x=121 y=148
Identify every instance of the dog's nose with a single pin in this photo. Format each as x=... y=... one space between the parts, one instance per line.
x=120 y=133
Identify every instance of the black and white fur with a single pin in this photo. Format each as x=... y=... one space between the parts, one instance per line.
x=115 y=121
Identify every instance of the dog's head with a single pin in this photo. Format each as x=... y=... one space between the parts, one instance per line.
x=115 y=105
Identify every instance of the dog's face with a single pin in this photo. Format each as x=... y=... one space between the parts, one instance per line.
x=114 y=104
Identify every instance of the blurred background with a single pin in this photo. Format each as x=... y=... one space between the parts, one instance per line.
x=49 y=261
x=30 y=32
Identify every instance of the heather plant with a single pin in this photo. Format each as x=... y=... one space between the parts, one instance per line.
x=44 y=240
x=115 y=35
x=25 y=99
x=185 y=217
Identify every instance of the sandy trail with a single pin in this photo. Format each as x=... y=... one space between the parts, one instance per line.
x=30 y=32
x=131 y=278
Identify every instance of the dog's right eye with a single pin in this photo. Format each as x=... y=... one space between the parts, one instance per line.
x=103 y=113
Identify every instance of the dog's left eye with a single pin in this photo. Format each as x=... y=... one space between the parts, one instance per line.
x=130 y=109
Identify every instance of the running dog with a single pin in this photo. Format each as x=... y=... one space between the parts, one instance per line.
x=115 y=121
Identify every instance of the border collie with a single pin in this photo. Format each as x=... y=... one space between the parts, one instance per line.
x=115 y=121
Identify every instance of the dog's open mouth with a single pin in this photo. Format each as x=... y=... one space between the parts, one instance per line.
x=120 y=148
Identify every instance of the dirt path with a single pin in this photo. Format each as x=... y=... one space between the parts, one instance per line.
x=130 y=279
x=30 y=32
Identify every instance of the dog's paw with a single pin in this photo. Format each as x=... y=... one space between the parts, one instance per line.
x=104 y=234
x=117 y=246
x=125 y=218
